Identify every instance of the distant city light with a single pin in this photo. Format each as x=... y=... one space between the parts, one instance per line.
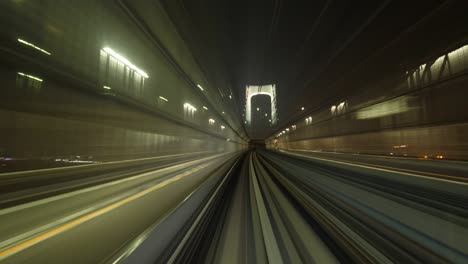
x=163 y=98
x=125 y=61
x=34 y=46
x=30 y=76
x=201 y=88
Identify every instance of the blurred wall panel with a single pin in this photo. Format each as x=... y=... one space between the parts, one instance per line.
x=422 y=114
x=83 y=78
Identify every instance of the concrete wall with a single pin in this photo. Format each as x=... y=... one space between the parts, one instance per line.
x=420 y=112
x=65 y=109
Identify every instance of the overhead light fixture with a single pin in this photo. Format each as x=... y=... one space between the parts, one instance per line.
x=211 y=121
x=201 y=88
x=125 y=61
x=302 y=108
x=106 y=87
x=34 y=46
x=230 y=97
x=266 y=114
x=30 y=76
x=223 y=113
x=204 y=107
x=223 y=127
x=190 y=107
x=258 y=108
x=163 y=98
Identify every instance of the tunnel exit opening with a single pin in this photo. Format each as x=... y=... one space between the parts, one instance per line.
x=254 y=90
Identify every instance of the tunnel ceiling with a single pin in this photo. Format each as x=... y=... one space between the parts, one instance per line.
x=316 y=52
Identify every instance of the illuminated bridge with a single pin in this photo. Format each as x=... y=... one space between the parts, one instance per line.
x=244 y=131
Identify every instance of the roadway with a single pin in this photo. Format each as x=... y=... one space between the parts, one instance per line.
x=255 y=207
x=88 y=225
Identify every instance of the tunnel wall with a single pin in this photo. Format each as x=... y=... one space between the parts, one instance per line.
x=65 y=109
x=420 y=113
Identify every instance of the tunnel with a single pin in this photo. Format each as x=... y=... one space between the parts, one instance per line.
x=246 y=131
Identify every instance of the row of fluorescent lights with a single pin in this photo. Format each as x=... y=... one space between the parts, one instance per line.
x=308 y=119
x=123 y=60
x=24 y=42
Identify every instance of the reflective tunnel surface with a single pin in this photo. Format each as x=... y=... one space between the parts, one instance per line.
x=249 y=131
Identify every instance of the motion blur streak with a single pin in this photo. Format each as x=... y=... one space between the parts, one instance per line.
x=247 y=131
x=94 y=214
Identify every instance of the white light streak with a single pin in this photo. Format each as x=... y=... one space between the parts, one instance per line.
x=34 y=46
x=125 y=61
x=163 y=98
x=211 y=121
x=30 y=76
x=204 y=107
x=201 y=88
x=223 y=127
x=106 y=87
x=190 y=107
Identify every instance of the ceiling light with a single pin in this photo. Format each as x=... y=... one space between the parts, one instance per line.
x=30 y=76
x=34 y=46
x=190 y=107
x=125 y=61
